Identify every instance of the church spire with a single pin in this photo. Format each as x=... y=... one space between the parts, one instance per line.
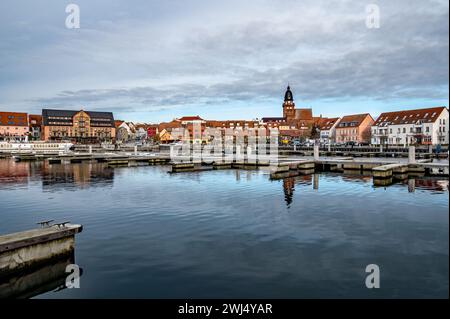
x=288 y=96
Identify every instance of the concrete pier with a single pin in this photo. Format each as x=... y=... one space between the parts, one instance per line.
x=29 y=249
x=316 y=152
x=412 y=155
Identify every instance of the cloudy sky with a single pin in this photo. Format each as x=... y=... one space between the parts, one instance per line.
x=157 y=60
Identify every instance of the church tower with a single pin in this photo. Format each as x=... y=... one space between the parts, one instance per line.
x=288 y=105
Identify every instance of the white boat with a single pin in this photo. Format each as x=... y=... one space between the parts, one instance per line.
x=34 y=147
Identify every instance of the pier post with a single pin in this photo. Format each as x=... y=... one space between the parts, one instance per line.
x=412 y=155
x=411 y=185
x=316 y=152
x=135 y=150
x=430 y=148
x=90 y=149
x=381 y=148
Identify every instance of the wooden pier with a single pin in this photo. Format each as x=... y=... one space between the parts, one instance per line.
x=381 y=167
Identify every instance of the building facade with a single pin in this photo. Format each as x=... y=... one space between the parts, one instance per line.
x=354 y=129
x=412 y=127
x=78 y=126
x=327 y=128
x=14 y=126
x=35 y=126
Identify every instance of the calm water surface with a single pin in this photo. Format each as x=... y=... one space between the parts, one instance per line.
x=235 y=233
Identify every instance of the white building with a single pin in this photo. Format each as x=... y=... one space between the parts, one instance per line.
x=413 y=127
x=327 y=127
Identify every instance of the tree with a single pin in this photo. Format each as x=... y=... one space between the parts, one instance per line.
x=315 y=132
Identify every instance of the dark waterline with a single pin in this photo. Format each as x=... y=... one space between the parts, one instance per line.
x=235 y=233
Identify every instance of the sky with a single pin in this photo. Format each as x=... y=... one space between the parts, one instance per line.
x=153 y=61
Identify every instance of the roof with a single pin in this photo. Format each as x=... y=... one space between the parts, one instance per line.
x=13 y=119
x=65 y=117
x=353 y=120
x=327 y=123
x=35 y=120
x=168 y=125
x=429 y=115
x=303 y=114
x=190 y=118
x=292 y=133
x=273 y=119
x=118 y=123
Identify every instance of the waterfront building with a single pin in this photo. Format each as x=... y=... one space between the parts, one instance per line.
x=354 y=128
x=327 y=129
x=14 y=126
x=78 y=126
x=412 y=127
x=35 y=126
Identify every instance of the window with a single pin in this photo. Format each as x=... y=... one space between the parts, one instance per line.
x=404 y=130
x=390 y=131
x=427 y=129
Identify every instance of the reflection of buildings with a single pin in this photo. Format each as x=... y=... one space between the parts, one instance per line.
x=431 y=184
x=83 y=175
x=289 y=186
x=13 y=172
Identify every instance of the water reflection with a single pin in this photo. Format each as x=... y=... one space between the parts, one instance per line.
x=79 y=175
x=54 y=176
x=48 y=277
x=236 y=233
x=431 y=184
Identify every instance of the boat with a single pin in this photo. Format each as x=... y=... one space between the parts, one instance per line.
x=34 y=147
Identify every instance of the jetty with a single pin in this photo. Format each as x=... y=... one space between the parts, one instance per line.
x=24 y=251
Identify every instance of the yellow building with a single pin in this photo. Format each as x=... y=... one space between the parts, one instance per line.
x=78 y=126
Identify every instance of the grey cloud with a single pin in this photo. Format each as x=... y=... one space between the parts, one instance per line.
x=242 y=54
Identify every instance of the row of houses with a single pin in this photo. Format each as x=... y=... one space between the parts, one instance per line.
x=408 y=127
x=428 y=126
x=58 y=125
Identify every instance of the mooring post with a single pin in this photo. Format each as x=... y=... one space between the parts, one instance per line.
x=316 y=181
x=430 y=148
x=412 y=155
x=381 y=148
x=135 y=150
x=90 y=149
x=316 y=152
